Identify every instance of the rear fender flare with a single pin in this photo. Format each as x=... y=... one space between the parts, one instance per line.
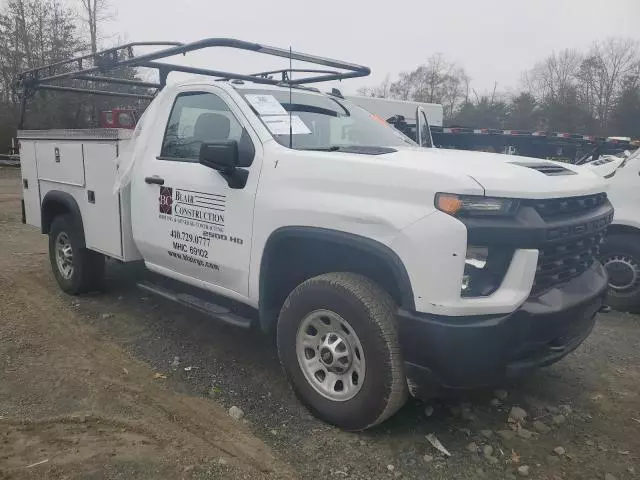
x=53 y=202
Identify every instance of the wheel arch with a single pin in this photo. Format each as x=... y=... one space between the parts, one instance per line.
x=324 y=251
x=57 y=203
x=624 y=289
x=618 y=228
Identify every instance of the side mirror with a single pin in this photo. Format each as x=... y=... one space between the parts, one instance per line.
x=627 y=154
x=221 y=156
x=225 y=158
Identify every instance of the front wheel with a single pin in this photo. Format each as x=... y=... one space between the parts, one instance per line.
x=338 y=345
x=77 y=269
x=621 y=257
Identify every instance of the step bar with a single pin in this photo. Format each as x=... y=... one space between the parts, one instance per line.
x=218 y=312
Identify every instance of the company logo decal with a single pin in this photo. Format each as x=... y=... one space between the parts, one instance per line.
x=166 y=200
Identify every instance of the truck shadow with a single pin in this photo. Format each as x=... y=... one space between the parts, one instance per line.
x=237 y=367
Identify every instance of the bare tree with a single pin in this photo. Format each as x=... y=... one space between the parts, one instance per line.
x=455 y=91
x=34 y=33
x=554 y=83
x=95 y=12
x=605 y=72
x=430 y=78
x=402 y=88
x=437 y=81
x=381 y=91
x=626 y=111
x=384 y=89
x=554 y=77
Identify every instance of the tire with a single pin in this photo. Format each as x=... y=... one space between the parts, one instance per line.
x=364 y=316
x=620 y=254
x=81 y=270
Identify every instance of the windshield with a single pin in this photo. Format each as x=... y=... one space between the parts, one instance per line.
x=320 y=122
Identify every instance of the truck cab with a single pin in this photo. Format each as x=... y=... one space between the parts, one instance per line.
x=385 y=269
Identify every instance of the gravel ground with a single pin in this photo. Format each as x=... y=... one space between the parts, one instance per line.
x=577 y=419
x=75 y=405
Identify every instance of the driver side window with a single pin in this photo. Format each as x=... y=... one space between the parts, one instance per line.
x=197 y=118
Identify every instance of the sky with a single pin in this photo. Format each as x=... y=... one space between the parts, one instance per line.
x=494 y=40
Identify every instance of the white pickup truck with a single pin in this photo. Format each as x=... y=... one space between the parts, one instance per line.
x=621 y=251
x=386 y=269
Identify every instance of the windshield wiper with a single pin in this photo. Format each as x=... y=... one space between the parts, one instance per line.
x=359 y=149
x=333 y=148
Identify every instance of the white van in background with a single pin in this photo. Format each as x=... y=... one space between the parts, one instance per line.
x=387 y=108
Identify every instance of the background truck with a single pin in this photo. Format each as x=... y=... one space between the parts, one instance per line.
x=414 y=119
x=567 y=147
x=621 y=252
x=559 y=146
x=384 y=269
x=387 y=108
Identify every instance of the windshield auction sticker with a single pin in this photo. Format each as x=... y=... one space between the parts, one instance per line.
x=283 y=124
x=266 y=105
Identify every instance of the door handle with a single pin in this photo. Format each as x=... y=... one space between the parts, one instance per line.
x=155 y=180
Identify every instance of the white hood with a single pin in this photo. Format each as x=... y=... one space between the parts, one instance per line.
x=504 y=175
x=605 y=168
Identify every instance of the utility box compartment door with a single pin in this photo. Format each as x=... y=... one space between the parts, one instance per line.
x=101 y=207
x=30 y=186
x=60 y=162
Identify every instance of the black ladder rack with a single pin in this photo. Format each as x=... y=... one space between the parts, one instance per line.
x=91 y=68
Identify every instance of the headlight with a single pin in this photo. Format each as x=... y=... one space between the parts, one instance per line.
x=484 y=270
x=460 y=205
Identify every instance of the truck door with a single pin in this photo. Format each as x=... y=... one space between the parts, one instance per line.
x=423 y=132
x=187 y=222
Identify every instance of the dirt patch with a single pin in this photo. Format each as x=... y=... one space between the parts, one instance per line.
x=75 y=405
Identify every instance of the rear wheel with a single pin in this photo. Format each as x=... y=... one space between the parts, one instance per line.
x=621 y=257
x=77 y=269
x=338 y=345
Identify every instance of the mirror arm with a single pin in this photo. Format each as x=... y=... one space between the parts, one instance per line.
x=236 y=177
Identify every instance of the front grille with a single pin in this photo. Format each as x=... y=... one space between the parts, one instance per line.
x=560 y=262
x=554 y=207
